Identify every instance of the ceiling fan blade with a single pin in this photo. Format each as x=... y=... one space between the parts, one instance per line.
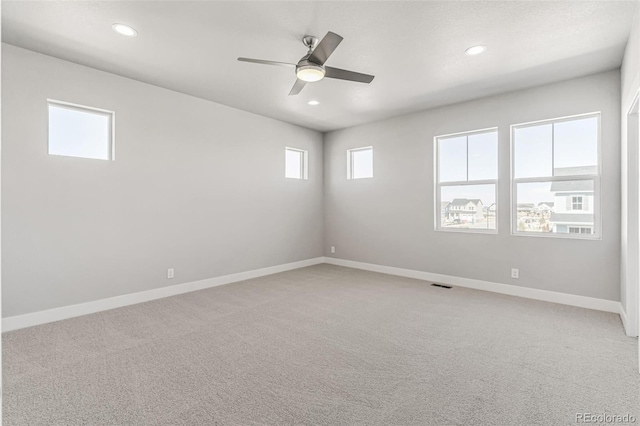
x=297 y=87
x=261 y=61
x=325 y=48
x=340 y=74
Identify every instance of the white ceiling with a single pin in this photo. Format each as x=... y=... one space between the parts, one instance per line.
x=415 y=49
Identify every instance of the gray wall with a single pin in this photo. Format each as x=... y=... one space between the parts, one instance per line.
x=200 y=187
x=389 y=219
x=195 y=186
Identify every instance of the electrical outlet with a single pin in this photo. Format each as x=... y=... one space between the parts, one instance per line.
x=333 y=249
x=515 y=273
x=170 y=273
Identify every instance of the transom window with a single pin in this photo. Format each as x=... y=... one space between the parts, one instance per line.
x=296 y=163
x=80 y=131
x=360 y=163
x=467 y=181
x=556 y=177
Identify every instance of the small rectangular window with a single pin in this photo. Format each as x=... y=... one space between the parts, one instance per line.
x=360 y=163
x=467 y=181
x=556 y=177
x=576 y=203
x=296 y=163
x=79 y=131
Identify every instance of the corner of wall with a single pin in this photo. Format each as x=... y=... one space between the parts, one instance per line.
x=630 y=253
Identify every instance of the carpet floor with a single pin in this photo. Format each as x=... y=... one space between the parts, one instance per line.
x=323 y=345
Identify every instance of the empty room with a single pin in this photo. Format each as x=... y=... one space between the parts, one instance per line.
x=320 y=213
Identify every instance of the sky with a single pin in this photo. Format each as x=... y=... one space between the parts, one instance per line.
x=468 y=158
x=537 y=150
x=77 y=133
x=293 y=164
x=482 y=164
x=362 y=163
x=540 y=148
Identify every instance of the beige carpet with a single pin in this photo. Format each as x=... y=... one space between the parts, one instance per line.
x=323 y=345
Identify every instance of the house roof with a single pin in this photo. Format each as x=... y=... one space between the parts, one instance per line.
x=550 y=204
x=526 y=205
x=577 y=170
x=572 y=186
x=465 y=201
x=577 y=218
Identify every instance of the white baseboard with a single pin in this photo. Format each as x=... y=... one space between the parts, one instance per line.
x=526 y=292
x=65 y=312
x=57 y=314
x=623 y=317
x=629 y=328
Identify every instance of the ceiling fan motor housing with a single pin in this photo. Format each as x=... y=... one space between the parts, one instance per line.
x=310 y=41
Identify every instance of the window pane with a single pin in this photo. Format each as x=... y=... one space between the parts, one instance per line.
x=533 y=151
x=560 y=207
x=468 y=206
x=76 y=133
x=293 y=164
x=576 y=147
x=362 y=163
x=483 y=156
x=452 y=159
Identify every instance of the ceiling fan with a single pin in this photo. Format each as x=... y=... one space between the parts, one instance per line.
x=311 y=67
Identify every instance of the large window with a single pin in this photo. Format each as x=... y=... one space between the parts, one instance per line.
x=296 y=163
x=467 y=181
x=556 y=177
x=360 y=163
x=77 y=131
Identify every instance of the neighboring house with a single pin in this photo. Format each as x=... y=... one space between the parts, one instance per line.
x=464 y=210
x=545 y=207
x=573 y=209
x=526 y=207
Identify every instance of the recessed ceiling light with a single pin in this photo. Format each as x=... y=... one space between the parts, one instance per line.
x=125 y=30
x=313 y=103
x=475 y=50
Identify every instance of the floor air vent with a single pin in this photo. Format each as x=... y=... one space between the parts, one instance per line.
x=441 y=285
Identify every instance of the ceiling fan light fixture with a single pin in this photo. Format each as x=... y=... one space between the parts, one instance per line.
x=310 y=73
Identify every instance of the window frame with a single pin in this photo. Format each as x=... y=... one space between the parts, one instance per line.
x=90 y=110
x=438 y=185
x=596 y=178
x=350 y=162
x=304 y=163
